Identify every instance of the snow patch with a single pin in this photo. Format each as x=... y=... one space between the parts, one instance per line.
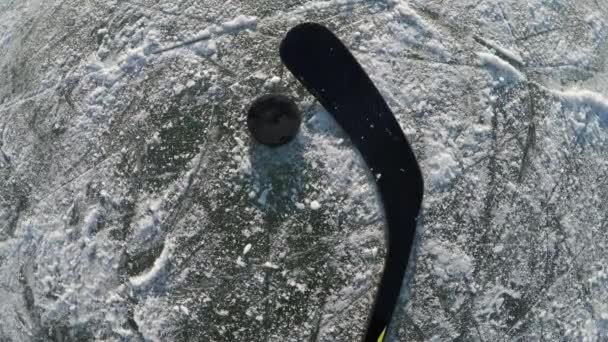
x=449 y=263
x=247 y=249
x=315 y=6
x=442 y=168
x=242 y=21
x=159 y=268
x=494 y=298
x=154 y=318
x=302 y=288
x=270 y=265
x=314 y=205
x=585 y=99
x=240 y=262
x=90 y=223
x=512 y=55
x=410 y=30
x=500 y=67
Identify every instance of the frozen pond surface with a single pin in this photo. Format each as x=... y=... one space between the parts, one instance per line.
x=135 y=207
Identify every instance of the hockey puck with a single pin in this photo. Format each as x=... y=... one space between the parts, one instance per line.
x=274 y=119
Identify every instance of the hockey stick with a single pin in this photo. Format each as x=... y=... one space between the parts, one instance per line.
x=321 y=62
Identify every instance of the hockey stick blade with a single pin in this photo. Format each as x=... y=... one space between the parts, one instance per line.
x=321 y=62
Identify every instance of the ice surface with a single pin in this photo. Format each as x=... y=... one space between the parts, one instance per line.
x=135 y=207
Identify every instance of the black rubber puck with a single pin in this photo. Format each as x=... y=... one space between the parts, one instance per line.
x=274 y=119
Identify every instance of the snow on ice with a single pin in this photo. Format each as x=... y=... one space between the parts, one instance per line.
x=134 y=206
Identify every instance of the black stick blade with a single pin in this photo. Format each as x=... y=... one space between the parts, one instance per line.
x=321 y=62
